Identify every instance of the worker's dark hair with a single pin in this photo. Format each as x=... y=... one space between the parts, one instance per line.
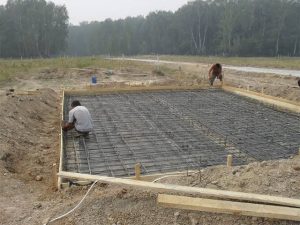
x=218 y=65
x=299 y=82
x=75 y=103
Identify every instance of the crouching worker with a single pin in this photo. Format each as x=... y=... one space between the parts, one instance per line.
x=215 y=72
x=80 y=119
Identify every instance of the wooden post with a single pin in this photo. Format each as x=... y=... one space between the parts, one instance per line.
x=137 y=170
x=229 y=160
x=54 y=175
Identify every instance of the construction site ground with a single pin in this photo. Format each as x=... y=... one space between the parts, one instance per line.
x=29 y=145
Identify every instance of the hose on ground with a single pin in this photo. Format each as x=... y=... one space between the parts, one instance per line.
x=72 y=210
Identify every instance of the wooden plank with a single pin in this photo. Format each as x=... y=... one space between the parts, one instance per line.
x=61 y=146
x=176 y=188
x=270 y=100
x=229 y=207
x=108 y=90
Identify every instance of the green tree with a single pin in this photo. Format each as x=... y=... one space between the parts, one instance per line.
x=32 y=28
x=211 y=27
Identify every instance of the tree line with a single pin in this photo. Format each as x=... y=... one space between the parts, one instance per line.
x=211 y=27
x=36 y=28
x=32 y=28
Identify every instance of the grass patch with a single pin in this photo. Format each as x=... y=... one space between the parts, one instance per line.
x=26 y=67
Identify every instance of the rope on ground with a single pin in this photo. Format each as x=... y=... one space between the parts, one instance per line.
x=72 y=210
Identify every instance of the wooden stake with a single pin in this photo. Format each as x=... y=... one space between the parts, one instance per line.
x=137 y=170
x=229 y=161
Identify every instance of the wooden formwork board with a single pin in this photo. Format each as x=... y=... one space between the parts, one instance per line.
x=221 y=194
x=267 y=99
x=61 y=147
x=106 y=90
x=149 y=178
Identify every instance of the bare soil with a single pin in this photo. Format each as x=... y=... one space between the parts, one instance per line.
x=29 y=137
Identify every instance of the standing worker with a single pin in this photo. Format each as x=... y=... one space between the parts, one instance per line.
x=80 y=119
x=215 y=72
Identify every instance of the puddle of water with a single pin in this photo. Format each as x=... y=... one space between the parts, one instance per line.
x=285 y=72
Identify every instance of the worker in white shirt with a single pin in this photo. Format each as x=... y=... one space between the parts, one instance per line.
x=79 y=118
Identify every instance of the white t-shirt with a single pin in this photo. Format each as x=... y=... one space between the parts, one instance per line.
x=82 y=118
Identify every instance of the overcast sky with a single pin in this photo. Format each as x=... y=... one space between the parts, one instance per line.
x=99 y=10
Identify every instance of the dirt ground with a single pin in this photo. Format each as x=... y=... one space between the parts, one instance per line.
x=29 y=140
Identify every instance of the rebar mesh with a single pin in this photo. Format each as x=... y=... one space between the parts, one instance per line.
x=175 y=131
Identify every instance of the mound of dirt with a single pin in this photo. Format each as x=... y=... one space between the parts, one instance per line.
x=23 y=122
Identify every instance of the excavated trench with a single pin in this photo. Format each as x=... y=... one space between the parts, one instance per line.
x=176 y=131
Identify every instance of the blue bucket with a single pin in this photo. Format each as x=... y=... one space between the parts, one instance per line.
x=94 y=80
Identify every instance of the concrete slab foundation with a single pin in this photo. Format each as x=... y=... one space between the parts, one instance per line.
x=175 y=131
